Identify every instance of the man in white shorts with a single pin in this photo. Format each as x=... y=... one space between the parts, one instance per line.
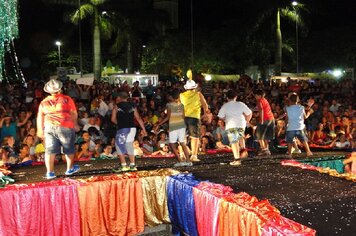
x=175 y=116
x=236 y=116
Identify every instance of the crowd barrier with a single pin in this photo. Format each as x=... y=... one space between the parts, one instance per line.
x=123 y=204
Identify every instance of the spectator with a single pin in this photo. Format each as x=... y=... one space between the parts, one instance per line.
x=83 y=152
x=220 y=133
x=319 y=136
x=137 y=150
x=9 y=127
x=24 y=154
x=107 y=152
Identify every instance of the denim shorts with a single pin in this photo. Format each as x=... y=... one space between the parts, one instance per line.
x=265 y=131
x=193 y=126
x=235 y=134
x=59 y=140
x=124 y=141
x=291 y=134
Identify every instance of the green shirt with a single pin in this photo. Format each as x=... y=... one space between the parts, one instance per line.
x=176 y=120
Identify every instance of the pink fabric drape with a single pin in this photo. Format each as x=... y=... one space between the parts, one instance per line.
x=49 y=208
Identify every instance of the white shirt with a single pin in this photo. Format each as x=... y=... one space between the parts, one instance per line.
x=234 y=114
x=103 y=108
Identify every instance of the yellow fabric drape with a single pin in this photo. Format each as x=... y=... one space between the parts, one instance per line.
x=154 y=184
x=155 y=200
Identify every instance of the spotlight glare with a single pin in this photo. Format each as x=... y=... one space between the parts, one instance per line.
x=208 y=77
x=337 y=73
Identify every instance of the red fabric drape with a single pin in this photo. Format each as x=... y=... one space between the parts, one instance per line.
x=283 y=226
x=207 y=197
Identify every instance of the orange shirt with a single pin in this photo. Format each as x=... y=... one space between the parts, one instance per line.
x=56 y=109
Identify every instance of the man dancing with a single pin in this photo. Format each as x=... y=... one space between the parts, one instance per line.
x=56 y=125
x=193 y=101
x=123 y=115
x=236 y=115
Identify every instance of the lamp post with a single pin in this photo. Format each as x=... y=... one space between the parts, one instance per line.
x=80 y=40
x=295 y=6
x=58 y=43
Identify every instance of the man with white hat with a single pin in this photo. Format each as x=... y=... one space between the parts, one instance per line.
x=56 y=125
x=193 y=101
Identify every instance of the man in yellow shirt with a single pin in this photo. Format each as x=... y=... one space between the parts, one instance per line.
x=193 y=102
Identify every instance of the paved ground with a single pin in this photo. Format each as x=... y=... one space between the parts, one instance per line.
x=322 y=202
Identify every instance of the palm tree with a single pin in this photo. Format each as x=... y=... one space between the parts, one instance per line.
x=136 y=21
x=291 y=14
x=277 y=9
x=101 y=26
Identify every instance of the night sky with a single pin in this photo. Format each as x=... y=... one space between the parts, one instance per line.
x=331 y=26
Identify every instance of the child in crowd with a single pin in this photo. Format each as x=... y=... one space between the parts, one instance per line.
x=162 y=139
x=40 y=152
x=107 y=153
x=9 y=155
x=206 y=143
x=24 y=154
x=295 y=129
x=147 y=146
x=341 y=142
x=83 y=152
x=163 y=151
x=137 y=150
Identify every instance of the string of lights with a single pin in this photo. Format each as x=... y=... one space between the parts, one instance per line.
x=8 y=29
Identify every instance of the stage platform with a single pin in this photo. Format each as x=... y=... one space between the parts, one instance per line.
x=319 y=201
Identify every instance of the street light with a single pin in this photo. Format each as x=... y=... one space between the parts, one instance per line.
x=58 y=43
x=295 y=6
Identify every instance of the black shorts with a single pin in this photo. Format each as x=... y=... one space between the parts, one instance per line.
x=265 y=131
x=193 y=126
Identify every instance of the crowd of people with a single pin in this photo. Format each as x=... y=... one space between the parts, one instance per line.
x=322 y=113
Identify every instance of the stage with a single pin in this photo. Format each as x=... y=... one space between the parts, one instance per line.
x=316 y=200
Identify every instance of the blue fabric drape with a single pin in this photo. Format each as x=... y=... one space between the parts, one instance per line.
x=181 y=205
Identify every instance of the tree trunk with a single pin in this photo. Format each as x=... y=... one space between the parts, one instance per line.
x=278 y=53
x=97 y=48
x=129 y=56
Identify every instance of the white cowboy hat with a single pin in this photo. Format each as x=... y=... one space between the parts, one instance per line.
x=53 y=86
x=190 y=85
